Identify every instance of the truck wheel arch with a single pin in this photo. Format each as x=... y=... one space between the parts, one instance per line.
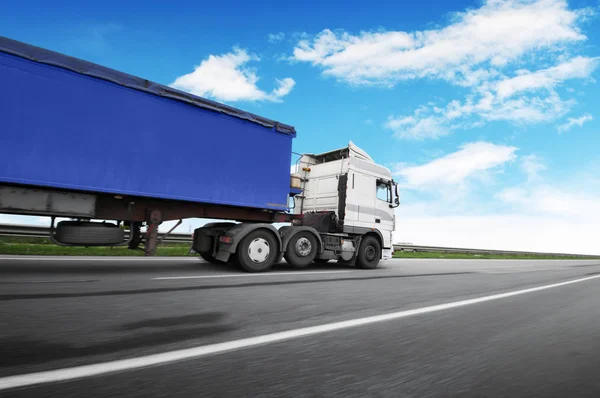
x=364 y=231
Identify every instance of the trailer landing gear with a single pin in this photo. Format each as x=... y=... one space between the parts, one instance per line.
x=152 y=233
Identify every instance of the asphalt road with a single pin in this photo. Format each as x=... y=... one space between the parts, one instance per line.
x=223 y=333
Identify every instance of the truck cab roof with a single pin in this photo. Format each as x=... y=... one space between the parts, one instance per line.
x=342 y=153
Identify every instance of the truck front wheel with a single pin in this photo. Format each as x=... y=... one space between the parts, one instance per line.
x=369 y=253
x=301 y=249
x=257 y=252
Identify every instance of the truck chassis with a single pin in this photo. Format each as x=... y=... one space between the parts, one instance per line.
x=253 y=242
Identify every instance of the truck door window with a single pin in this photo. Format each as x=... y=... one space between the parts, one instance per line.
x=383 y=192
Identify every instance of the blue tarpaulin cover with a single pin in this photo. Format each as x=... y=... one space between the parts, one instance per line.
x=69 y=123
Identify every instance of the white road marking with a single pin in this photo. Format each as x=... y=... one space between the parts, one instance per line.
x=122 y=365
x=33 y=282
x=246 y=275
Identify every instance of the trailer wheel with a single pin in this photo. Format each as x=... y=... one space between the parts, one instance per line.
x=301 y=249
x=257 y=252
x=368 y=253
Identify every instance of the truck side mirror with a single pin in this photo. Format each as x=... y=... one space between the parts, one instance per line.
x=397 y=197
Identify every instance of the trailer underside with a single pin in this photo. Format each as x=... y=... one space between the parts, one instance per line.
x=135 y=211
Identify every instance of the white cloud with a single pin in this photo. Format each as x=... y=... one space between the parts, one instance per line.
x=578 y=67
x=284 y=87
x=532 y=166
x=506 y=99
x=492 y=36
x=456 y=168
x=225 y=77
x=528 y=110
x=571 y=122
x=413 y=127
x=483 y=49
x=276 y=37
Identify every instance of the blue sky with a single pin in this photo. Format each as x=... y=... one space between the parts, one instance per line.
x=486 y=111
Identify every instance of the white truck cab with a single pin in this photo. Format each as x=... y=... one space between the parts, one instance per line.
x=349 y=184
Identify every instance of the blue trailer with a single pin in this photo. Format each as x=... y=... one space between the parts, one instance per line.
x=70 y=124
x=85 y=142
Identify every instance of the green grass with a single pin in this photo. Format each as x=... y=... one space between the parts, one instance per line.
x=43 y=247
x=24 y=239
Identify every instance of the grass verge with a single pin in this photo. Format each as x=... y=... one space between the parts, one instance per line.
x=42 y=247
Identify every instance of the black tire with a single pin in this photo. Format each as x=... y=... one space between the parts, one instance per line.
x=233 y=260
x=369 y=253
x=136 y=241
x=89 y=234
x=209 y=258
x=301 y=249
x=321 y=260
x=278 y=259
x=251 y=251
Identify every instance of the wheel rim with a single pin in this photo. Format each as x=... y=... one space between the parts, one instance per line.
x=259 y=250
x=303 y=247
x=370 y=253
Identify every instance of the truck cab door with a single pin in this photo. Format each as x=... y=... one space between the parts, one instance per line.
x=384 y=213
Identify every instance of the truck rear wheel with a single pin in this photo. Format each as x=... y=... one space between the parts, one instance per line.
x=257 y=251
x=369 y=253
x=301 y=249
